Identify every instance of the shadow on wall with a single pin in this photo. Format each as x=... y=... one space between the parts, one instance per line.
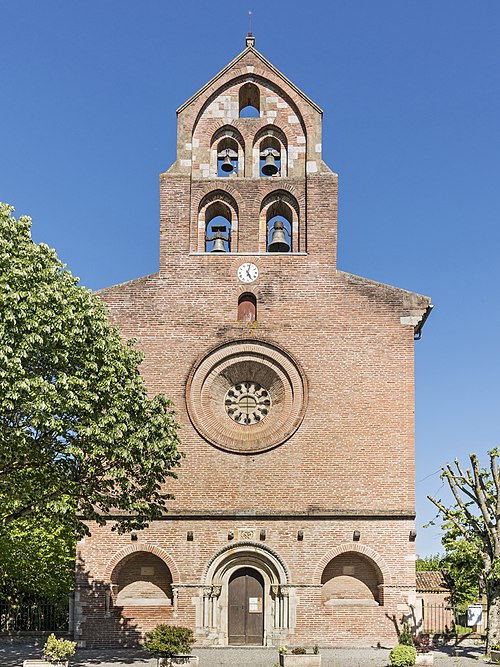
x=97 y=621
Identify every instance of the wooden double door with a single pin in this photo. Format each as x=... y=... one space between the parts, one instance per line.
x=246 y=608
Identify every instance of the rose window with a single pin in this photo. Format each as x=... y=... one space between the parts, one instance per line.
x=246 y=396
x=247 y=403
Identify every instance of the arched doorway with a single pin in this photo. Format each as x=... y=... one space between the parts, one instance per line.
x=246 y=608
x=246 y=597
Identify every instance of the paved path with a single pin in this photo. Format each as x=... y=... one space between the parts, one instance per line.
x=12 y=654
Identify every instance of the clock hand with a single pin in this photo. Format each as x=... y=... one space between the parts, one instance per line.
x=248 y=272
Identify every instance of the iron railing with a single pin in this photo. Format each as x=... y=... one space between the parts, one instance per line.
x=34 y=616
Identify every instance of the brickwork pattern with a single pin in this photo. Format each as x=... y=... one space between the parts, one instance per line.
x=349 y=463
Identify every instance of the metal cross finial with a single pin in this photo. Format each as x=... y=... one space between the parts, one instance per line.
x=250 y=39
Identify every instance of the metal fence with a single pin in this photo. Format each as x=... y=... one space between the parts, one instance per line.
x=34 y=616
x=437 y=619
x=443 y=619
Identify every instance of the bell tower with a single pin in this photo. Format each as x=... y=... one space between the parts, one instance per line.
x=292 y=380
x=249 y=172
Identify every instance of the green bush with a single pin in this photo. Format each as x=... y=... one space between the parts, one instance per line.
x=166 y=641
x=56 y=650
x=403 y=656
x=405 y=638
x=299 y=650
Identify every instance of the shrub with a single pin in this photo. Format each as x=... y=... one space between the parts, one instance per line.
x=282 y=650
x=299 y=650
x=422 y=643
x=403 y=656
x=56 y=650
x=166 y=641
x=405 y=638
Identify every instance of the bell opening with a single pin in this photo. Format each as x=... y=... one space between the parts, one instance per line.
x=227 y=159
x=218 y=235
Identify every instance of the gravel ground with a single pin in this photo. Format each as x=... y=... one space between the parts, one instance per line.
x=12 y=654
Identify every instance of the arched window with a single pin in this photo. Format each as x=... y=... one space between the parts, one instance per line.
x=279 y=223
x=227 y=151
x=272 y=148
x=249 y=99
x=218 y=227
x=247 y=308
x=227 y=157
x=279 y=227
x=270 y=157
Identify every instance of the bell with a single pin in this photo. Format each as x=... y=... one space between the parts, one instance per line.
x=278 y=239
x=227 y=165
x=219 y=239
x=270 y=168
x=218 y=245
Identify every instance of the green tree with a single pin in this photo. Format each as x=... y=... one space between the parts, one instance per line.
x=78 y=433
x=428 y=563
x=463 y=565
x=475 y=517
x=37 y=559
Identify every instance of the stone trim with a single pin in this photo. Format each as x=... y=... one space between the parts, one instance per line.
x=239 y=549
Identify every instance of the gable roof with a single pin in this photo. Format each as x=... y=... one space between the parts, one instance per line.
x=431 y=581
x=249 y=50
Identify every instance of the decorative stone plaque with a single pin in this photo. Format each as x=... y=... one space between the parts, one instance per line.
x=246 y=534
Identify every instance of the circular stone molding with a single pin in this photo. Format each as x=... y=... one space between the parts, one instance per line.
x=257 y=377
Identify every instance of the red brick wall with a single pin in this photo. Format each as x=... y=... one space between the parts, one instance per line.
x=350 y=464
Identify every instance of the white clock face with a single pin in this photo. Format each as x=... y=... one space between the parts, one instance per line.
x=248 y=272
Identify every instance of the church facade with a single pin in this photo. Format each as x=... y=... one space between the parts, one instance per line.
x=293 y=383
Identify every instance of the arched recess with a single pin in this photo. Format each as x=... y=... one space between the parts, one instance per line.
x=352 y=574
x=247 y=307
x=282 y=207
x=218 y=219
x=270 y=139
x=141 y=579
x=140 y=575
x=227 y=140
x=352 y=578
x=278 y=603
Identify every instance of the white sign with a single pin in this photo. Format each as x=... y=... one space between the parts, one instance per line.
x=254 y=605
x=474 y=615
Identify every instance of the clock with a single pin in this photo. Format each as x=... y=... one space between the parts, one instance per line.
x=247 y=272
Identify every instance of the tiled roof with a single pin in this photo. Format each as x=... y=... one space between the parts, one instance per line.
x=431 y=581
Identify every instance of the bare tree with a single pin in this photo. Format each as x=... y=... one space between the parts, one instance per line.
x=476 y=515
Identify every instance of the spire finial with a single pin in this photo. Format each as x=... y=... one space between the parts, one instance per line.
x=250 y=39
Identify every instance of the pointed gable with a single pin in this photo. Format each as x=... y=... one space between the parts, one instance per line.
x=282 y=106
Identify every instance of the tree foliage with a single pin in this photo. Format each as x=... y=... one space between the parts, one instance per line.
x=428 y=563
x=463 y=565
x=78 y=432
x=474 y=527
x=37 y=559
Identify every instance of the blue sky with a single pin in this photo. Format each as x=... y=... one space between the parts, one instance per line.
x=411 y=98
